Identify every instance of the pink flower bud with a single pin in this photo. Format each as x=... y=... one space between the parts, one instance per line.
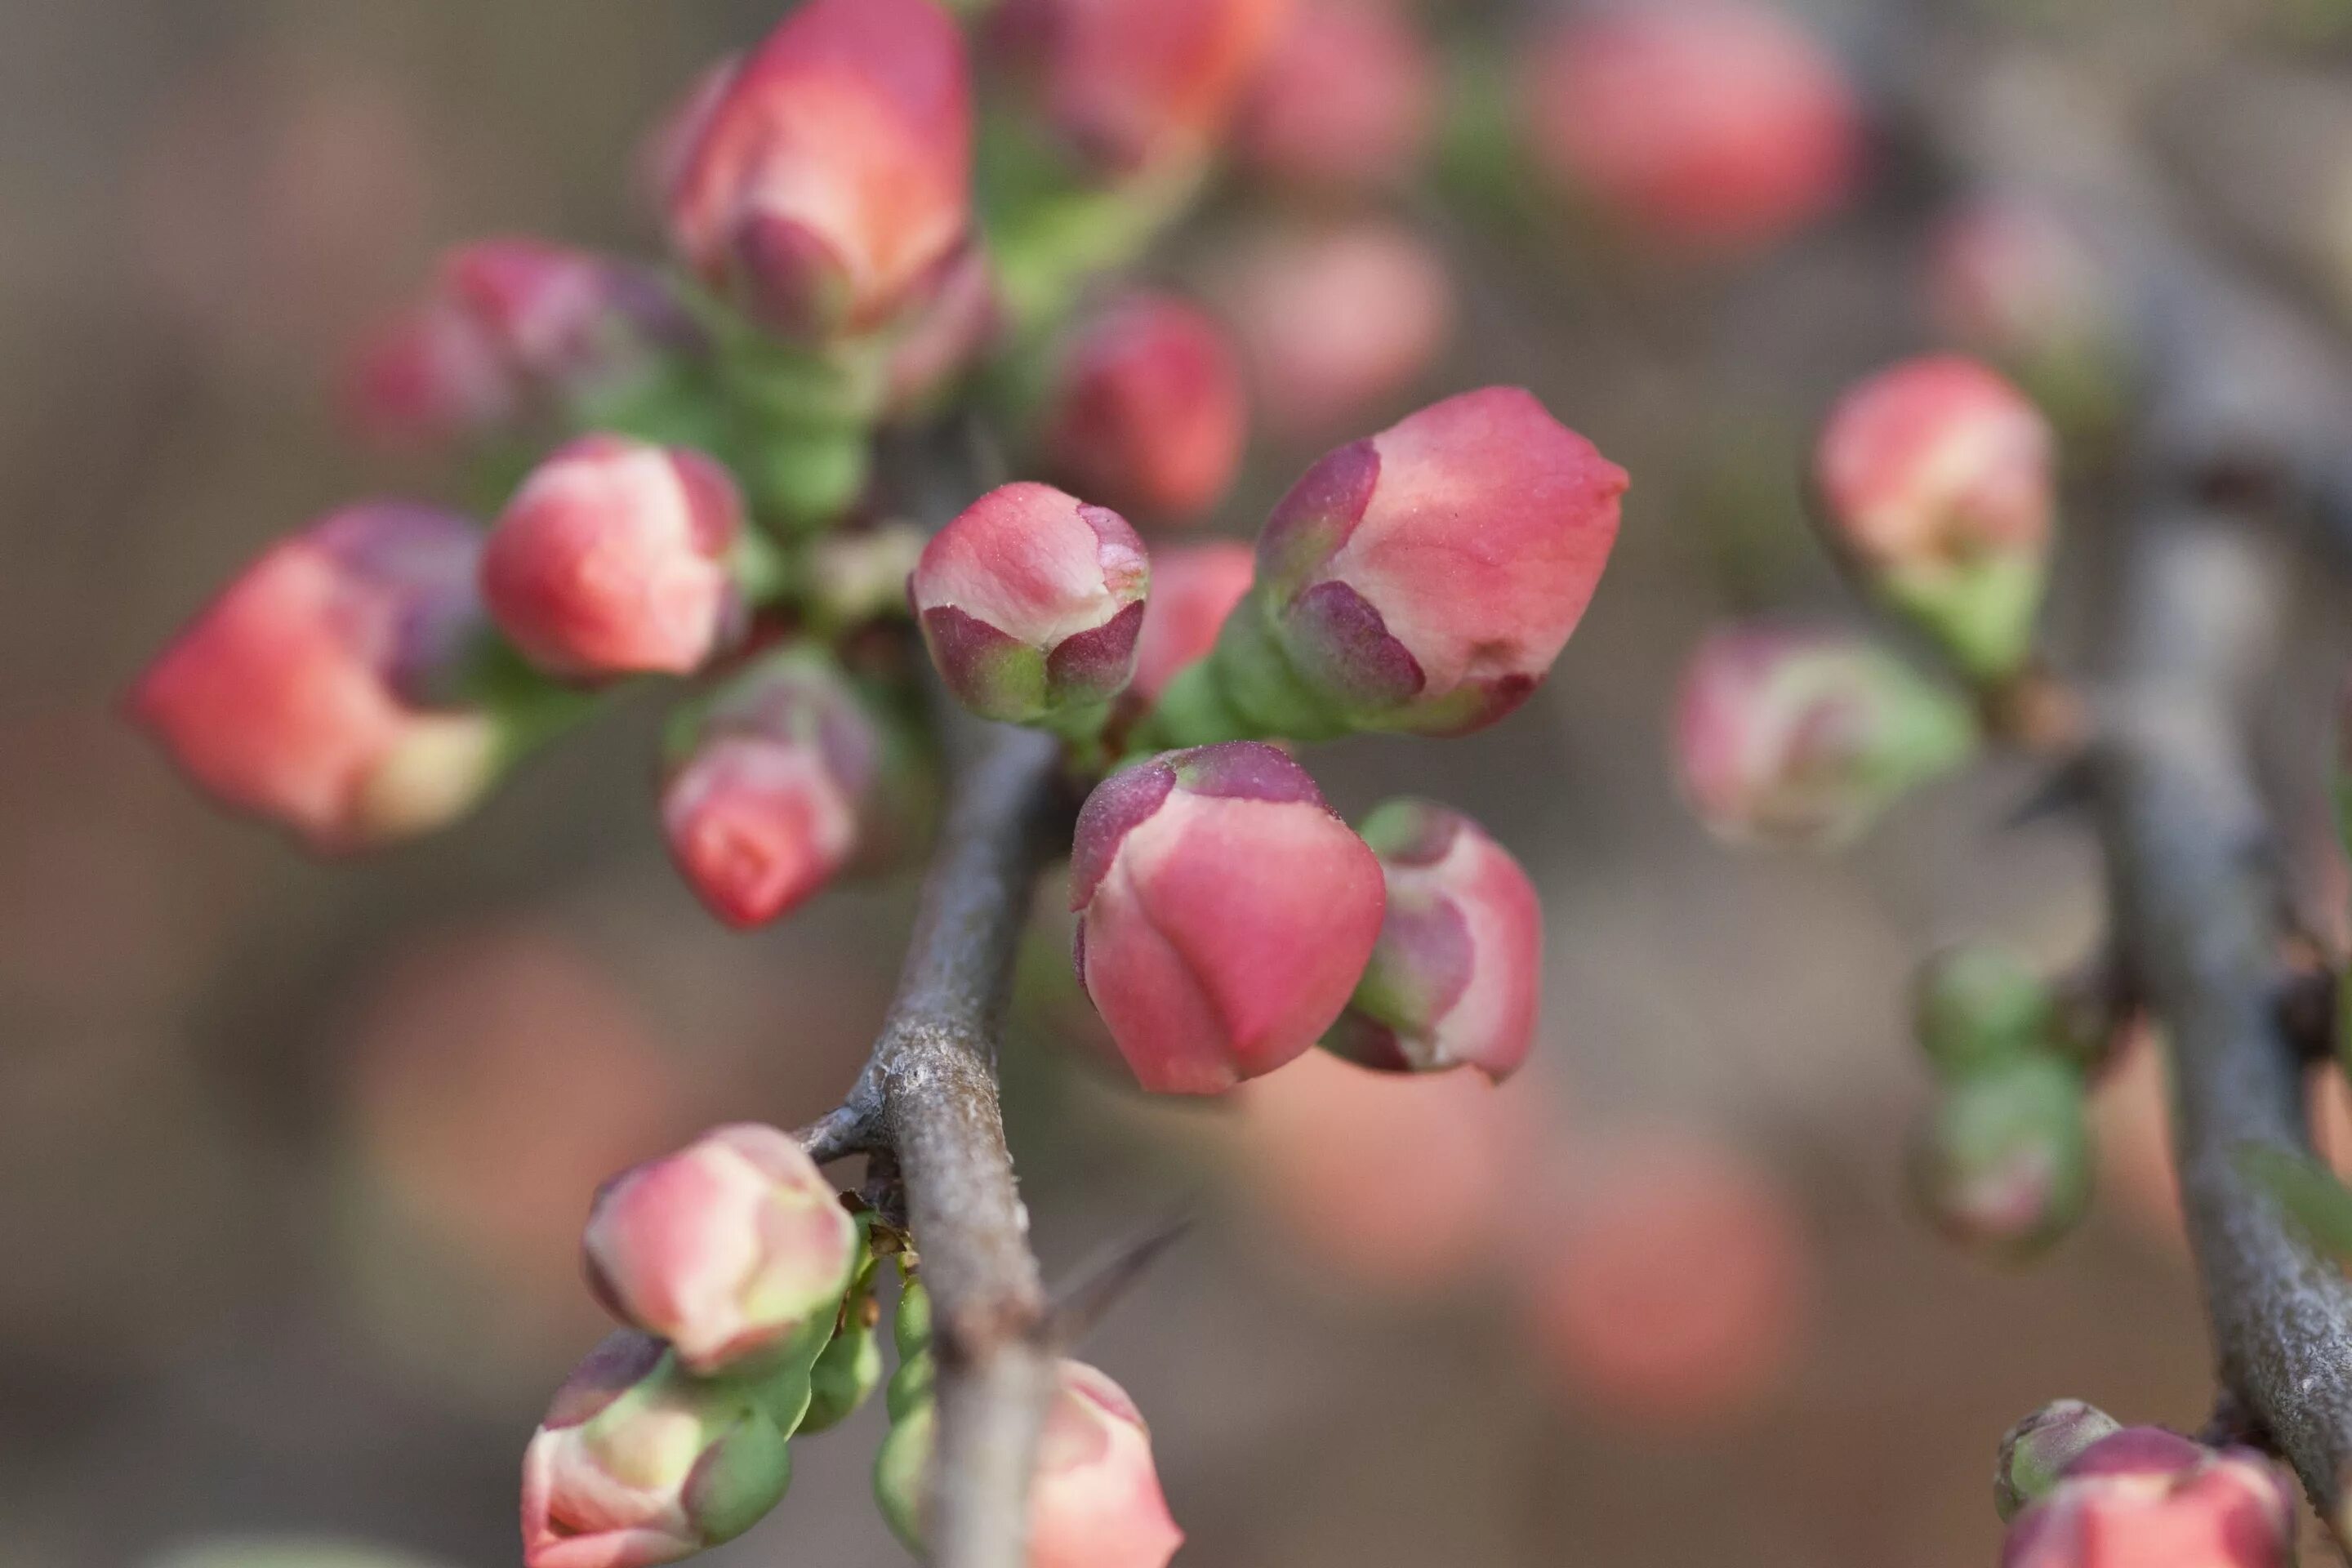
x=1801 y=737
x=1710 y=123
x=1345 y=98
x=1426 y=578
x=1137 y=86
x=2037 y=1451
x=829 y=181
x=303 y=694
x=2147 y=1499
x=2003 y=1160
x=2018 y=282
x=1148 y=413
x=614 y=559
x=1456 y=980
x=766 y=805
x=735 y=1247
x=1225 y=914
x=1337 y=320
x=1030 y=601
x=635 y=1463
x=1193 y=588
x=1937 y=480
x=514 y=327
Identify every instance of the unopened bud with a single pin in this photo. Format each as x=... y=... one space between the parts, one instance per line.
x=2038 y=1448
x=1455 y=979
x=2145 y=1497
x=849 y=1369
x=1977 y=1004
x=1031 y=602
x=636 y=1463
x=1792 y=736
x=2017 y=282
x=1937 y=480
x=1225 y=914
x=1147 y=414
x=2003 y=1162
x=1344 y=100
x=308 y=692
x=736 y=1249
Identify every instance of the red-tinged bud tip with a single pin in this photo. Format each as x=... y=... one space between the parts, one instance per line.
x=1716 y=123
x=614 y=559
x=1139 y=86
x=1193 y=588
x=1336 y=321
x=2037 y=1451
x=1225 y=914
x=637 y=1462
x=1426 y=579
x=825 y=182
x=733 y=1250
x=1456 y=980
x=2003 y=1159
x=1149 y=414
x=2144 y=1498
x=769 y=799
x=1031 y=602
x=513 y=329
x=1801 y=737
x=1345 y=100
x=300 y=694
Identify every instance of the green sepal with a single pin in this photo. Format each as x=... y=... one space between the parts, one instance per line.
x=1980 y=613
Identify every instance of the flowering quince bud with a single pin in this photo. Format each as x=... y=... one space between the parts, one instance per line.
x=1977 y=1004
x=636 y=1463
x=302 y=693
x=1096 y=1501
x=1031 y=602
x=736 y=1249
x=1149 y=411
x=1139 y=86
x=2038 y=1449
x=780 y=787
x=1716 y=123
x=1344 y=100
x=614 y=559
x=1937 y=479
x=2003 y=1160
x=2145 y=1497
x=1336 y=319
x=827 y=182
x=2016 y=281
x=513 y=328
x=1225 y=914
x=1798 y=737
x=1193 y=588
x=1455 y=980
x=1422 y=580
x=943 y=340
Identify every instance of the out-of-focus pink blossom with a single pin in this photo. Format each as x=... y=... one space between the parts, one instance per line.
x=1030 y=601
x=1137 y=86
x=1193 y=588
x=615 y=558
x=303 y=693
x=1225 y=914
x=1344 y=100
x=1717 y=123
x=2146 y=1497
x=948 y=334
x=2016 y=281
x=827 y=183
x=1457 y=978
x=733 y=1248
x=1147 y=414
x=1335 y=322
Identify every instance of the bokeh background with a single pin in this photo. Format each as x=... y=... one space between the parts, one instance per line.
x=293 y=1157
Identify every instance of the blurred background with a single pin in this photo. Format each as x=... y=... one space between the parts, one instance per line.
x=293 y=1157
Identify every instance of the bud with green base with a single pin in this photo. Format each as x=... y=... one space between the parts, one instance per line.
x=2038 y=1449
x=1977 y=1004
x=2003 y=1160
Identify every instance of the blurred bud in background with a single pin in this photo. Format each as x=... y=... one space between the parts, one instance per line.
x=946 y=336
x=1977 y=1005
x=1147 y=414
x=1804 y=737
x=2038 y=1449
x=1030 y=601
x=2003 y=1160
x=1193 y=588
x=1345 y=100
x=1456 y=977
x=735 y=1249
x=615 y=557
x=1719 y=124
x=2012 y=280
x=1225 y=913
x=1673 y=1282
x=2145 y=1497
x=305 y=692
x=1335 y=320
